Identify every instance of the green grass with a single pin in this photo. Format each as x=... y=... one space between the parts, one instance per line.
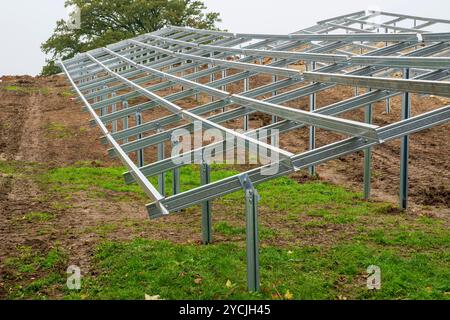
x=26 y=90
x=129 y=270
x=57 y=130
x=46 y=272
x=39 y=217
x=98 y=181
x=28 y=260
x=95 y=181
x=226 y=229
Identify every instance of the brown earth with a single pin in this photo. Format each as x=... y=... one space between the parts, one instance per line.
x=42 y=127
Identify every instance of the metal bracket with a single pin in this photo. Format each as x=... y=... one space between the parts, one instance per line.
x=247 y=185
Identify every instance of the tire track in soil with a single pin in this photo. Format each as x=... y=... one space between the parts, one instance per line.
x=30 y=139
x=17 y=193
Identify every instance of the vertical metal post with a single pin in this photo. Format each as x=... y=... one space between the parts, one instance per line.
x=125 y=120
x=140 y=153
x=196 y=71
x=275 y=93
x=176 y=176
x=404 y=153
x=181 y=76
x=114 y=109
x=104 y=110
x=224 y=87
x=205 y=171
x=388 y=105
x=386 y=30
x=162 y=176
x=368 y=156
x=246 y=118
x=82 y=74
x=312 y=130
x=251 y=208
x=213 y=76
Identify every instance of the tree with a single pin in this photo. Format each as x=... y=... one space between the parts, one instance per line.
x=108 y=21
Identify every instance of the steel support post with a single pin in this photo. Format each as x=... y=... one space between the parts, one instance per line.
x=246 y=118
x=104 y=110
x=126 y=125
x=140 y=153
x=404 y=153
x=176 y=184
x=213 y=76
x=251 y=208
x=368 y=114
x=113 y=110
x=275 y=93
x=224 y=87
x=161 y=157
x=388 y=105
x=205 y=171
x=312 y=130
x=196 y=71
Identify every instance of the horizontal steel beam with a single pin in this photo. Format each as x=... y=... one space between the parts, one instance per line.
x=357 y=13
x=351 y=37
x=319 y=57
x=387 y=26
x=403 y=62
x=405 y=16
x=438 y=88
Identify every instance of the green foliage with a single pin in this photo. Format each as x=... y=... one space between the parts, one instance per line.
x=50 y=68
x=108 y=21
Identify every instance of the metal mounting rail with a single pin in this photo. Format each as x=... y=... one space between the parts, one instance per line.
x=438 y=88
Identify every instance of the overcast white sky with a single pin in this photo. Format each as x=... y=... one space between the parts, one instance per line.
x=25 y=24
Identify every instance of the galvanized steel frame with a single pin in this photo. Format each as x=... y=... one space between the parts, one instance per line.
x=180 y=56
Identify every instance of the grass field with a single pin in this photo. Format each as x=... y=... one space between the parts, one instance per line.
x=317 y=241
